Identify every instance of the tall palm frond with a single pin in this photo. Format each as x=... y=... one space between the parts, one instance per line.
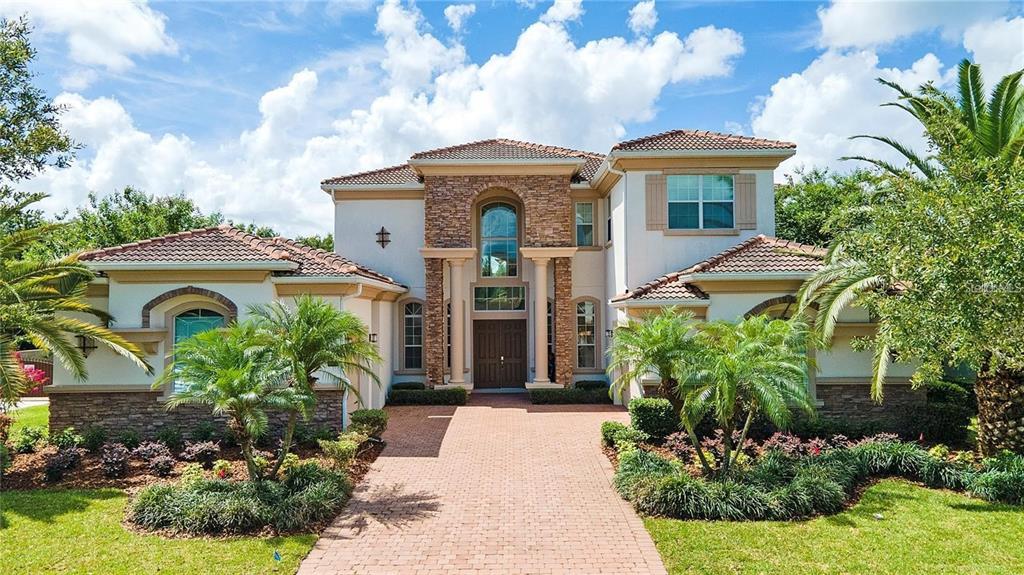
x=650 y=345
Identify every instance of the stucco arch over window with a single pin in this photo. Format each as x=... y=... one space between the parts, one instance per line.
x=228 y=306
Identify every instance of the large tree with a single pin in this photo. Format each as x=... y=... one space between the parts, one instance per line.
x=42 y=301
x=940 y=261
x=813 y=206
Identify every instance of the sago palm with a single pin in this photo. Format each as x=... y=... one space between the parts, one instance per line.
x=651 y=345
x=755 y=366
x=42 y=303
x=316 y=341
x=232 y=371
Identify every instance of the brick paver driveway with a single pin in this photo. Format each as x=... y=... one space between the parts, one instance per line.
x=497 y=486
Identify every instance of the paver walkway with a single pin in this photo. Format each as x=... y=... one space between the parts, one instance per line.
x=497 y=486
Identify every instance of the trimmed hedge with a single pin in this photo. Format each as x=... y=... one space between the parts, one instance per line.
x=451 y=396
x=654 y=416
x=371 y=421
x=569 y=395
x=407 y=385
x=591 y=385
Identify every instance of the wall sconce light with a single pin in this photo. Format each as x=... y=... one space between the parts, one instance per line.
x=383 y=237
x=85 y=344
x=609 y=333
x=373 y=338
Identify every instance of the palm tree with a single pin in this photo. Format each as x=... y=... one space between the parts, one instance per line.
x=651 y=345
x=37 y=301
x=993 y=129
x=232 y=371
x=317 y=342
x=756 y=365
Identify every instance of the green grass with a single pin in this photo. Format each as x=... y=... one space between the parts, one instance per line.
x=35 y=416
x=80 y=531
x=922 y=531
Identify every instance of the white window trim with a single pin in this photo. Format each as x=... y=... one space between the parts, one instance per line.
x=700 y=201
x=597 y=368
x=592 y=224
x=402 y=369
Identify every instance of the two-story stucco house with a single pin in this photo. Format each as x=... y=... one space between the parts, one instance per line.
x=492 y=265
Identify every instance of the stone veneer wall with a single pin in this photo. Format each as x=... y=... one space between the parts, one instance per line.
x=565 y=323
x=853 y=401
x=449 y=205
x=144 y=412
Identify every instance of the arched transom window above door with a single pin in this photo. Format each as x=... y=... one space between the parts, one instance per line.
x=499 y=240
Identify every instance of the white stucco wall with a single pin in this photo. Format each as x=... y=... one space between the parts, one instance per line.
x=356 y=223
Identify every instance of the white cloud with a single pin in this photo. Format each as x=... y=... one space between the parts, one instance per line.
x=107 y=33
x=78 y=79
x=563 y=11
x=643 y=17
x=457 y=14
x=998 y=46
x=428 y=94
x=837 y=97
x=868 y=23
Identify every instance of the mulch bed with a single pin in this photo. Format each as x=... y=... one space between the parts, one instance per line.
x=27 y=471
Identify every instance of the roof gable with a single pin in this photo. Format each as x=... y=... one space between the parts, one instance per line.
x=700 y=140
x=759 y=255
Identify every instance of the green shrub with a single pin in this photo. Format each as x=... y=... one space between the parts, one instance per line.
x=170 y=436
x=310 y=495
x=93 y=438
x=66 y=439
x=6 y=421
x=592 y=385
x=450 y=396
x=608 y=431
x=408 y=385
x=945 y=474
x=806 y=427
x=654 y=416
x=340 y=452
x=628 y=437
x=892 y=457
x=205 y=430
x=222 y=468
x=192 y=472
x=129 y=438
x=638 y=466
x=569 y=395
x=26 y=439
x=372 y=422
x=201 y=452
x=951 y=392
x=943 y=422
x=998 y=485
x=308 y=436
x=5 y=459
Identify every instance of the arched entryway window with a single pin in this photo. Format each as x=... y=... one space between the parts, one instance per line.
x=499 y=241
x=192 y=322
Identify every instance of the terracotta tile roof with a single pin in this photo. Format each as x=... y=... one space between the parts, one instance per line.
x=699 y=140
x=402 y=174
x=225 y=244
x=503 y=149
x=759 y=254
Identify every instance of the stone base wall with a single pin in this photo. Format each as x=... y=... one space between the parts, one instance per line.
x=852 y=401
x=565 y=323
x=144 y=413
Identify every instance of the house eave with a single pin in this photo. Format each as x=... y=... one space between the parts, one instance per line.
x=345 y=279
x=659 y=302
x=191 y=266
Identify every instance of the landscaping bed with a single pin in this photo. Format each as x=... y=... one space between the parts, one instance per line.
x=784 y=477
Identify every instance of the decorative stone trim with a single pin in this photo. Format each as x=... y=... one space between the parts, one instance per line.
x=565 y=323
x=145 y=412
x=433 y=322
x=188 y=290
x=852 y=401
x=768 y=303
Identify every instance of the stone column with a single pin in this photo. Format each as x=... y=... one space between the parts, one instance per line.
x=565 y=323
x=540 y=320
x=433 y=323
x=458 y=331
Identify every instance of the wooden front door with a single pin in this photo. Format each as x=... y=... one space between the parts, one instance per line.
x=499 y=350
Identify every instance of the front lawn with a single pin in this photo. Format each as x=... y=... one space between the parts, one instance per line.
x=80 y=531
x=921 y=531
x=35 y=416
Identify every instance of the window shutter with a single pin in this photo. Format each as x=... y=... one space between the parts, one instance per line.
x=657 y=201
x=746 y=201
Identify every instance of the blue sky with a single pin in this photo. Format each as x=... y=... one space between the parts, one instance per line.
x=246 y=106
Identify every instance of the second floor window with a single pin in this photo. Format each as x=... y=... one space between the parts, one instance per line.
x=499 y=241
x=584 y=223
x=700 y=202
